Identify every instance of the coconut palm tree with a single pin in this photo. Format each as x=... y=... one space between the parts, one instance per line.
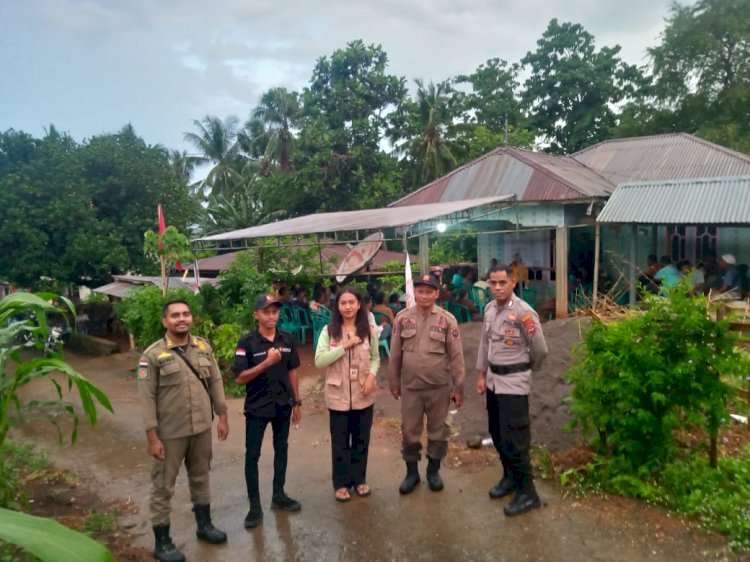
x=417 y=132
x=433 y=154
x=216 y=143
x=279 y=110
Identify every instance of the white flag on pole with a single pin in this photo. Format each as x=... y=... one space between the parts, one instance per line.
x=409 y=284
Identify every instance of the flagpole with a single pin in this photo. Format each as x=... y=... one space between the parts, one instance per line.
x=162 y=258
x=408 y=281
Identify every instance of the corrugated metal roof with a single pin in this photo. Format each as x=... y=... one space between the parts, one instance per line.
x=662 y=157
x=526 y=175
x=220 y=263
x=724 y=200
x=369 y=219
x=126 y=284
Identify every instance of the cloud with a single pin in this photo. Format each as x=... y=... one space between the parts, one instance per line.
x=91 y=66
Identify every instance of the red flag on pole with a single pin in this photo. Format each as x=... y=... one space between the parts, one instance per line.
x=162 y=228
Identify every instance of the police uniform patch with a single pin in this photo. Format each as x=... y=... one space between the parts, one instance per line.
x=240 y=352
x=511 y=316
x=454 y=333
x=201 y=346
x=164 y=355
x=510 y=342
x=528 y=323
x=143 y=370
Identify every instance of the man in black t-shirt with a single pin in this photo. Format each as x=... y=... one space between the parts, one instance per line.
x=266 y=363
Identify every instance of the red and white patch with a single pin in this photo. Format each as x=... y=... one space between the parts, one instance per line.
x=528 y=323
x=143 y=370
x=239 y=352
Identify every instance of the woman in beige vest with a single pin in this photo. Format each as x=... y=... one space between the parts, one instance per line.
x=348 y=349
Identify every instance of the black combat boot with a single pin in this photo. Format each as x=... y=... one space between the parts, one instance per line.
x=410 y=480
x=165 y=550
x=433 y=475
x=524 y=500
x=206 y=530
x=254 y=517
x=504 y=488
x=281 y=501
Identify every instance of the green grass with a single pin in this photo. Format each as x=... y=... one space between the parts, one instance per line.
x=18 y=458
x=718 y=498
x=97 y=523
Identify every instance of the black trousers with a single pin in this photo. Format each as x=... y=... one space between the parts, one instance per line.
x=350 y=442
x=255 y=428
x=509 y=426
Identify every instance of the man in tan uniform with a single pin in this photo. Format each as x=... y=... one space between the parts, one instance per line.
x=512 y=345
x=426 y=371
x=179 y=384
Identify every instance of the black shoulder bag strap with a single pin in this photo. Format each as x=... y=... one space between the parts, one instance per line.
x=181 y=355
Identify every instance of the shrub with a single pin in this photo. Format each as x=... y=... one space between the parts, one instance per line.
x=641 y=379
x=141 y=312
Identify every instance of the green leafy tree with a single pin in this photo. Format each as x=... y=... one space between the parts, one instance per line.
x=76 y=213
x=493 y=97
x=572 y=87
x=168 y=248
x=456 y=247
x=141 y=312
x=491 y=113
x=340 y=162
x=701 y=72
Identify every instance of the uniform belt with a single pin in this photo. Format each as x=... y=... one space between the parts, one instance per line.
x=509 y=369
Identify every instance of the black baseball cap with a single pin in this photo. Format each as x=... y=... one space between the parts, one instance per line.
x=427 y=279
x=264 y=301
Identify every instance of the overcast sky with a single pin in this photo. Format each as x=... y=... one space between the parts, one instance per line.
x=91 y=66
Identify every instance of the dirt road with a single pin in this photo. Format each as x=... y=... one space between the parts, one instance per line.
x=460 y=523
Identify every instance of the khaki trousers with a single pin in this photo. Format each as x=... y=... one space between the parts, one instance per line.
x=415 y=404
x=195 y=450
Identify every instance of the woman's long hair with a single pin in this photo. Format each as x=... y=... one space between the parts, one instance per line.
x=361 y=321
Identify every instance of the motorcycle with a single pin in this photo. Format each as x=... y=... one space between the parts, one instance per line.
x=57 y=335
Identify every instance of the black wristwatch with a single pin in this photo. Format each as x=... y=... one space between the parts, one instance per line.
x=296 y=402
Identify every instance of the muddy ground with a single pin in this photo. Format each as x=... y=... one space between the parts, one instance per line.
x=460 y=523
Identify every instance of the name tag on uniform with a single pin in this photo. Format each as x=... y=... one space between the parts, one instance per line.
x=353 y=373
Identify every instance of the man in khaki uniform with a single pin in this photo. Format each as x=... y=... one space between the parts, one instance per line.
x=179 y=384
x=426 y=371
x=512 y=345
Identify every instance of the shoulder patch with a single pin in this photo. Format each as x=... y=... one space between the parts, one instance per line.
x=528 y=324
x=143 y=370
